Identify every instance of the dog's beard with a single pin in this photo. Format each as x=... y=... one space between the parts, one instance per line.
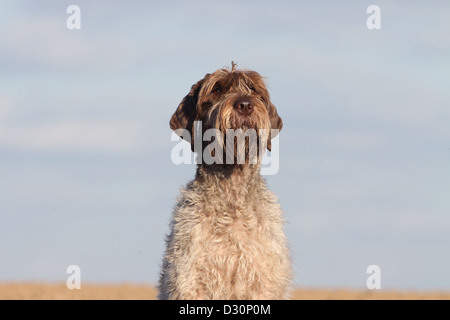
x=240 y=138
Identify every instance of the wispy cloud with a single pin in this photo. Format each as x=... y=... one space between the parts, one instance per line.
x=73 y=135
x=112 y=136
x=353 y=140
x=45 y=44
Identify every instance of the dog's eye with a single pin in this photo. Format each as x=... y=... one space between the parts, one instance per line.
x=252 y=90
x=217 y=89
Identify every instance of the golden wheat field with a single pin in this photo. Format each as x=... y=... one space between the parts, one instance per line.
x=41 y=291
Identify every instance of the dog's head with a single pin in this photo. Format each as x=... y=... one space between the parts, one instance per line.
x=227 y=99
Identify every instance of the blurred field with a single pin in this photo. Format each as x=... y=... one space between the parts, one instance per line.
x=37 y=291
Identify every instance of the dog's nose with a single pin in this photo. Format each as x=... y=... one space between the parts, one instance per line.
x=244 y=107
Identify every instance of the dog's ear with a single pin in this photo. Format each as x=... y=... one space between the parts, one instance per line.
x=275 y=123
x=186 y=113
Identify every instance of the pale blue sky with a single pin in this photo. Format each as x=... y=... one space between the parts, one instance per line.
x=85 y=170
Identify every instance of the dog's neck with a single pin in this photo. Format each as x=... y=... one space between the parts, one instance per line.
x=239 y=182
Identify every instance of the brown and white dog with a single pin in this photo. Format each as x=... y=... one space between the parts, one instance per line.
x=226 y=237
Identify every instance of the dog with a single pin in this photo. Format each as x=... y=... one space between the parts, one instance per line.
x=226 y=237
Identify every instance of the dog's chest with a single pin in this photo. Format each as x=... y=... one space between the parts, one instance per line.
x=232 y=232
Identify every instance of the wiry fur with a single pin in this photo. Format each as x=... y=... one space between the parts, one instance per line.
x=226 y=237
